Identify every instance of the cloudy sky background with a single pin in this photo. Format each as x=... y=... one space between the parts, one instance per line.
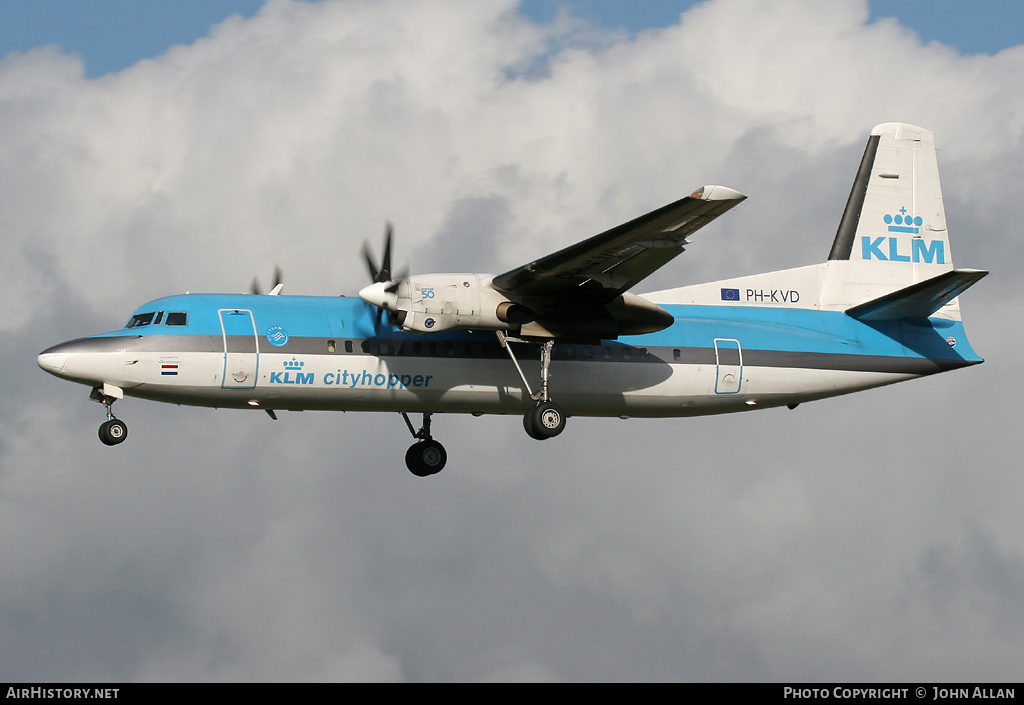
x=874 y=537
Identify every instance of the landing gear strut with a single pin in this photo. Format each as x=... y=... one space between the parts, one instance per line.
x=113 y=430
x=545 y=419
x=425 y=457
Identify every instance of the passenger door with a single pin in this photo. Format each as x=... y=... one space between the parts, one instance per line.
x=241 y=348
x=729 y=366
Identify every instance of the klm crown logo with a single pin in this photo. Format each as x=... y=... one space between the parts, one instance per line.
x=892 y=249
x=287 y=377
x=903 y=223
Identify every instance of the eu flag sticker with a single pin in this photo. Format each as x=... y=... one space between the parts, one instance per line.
x=730 y=294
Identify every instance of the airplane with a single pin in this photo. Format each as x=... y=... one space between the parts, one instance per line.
x=882 y=308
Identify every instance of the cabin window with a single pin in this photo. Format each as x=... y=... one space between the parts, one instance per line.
x=176 y=318
x=676 y=355
x=588 y=354
x=140 y=319
x=626 y=354
x=607 y=353
x=348 y=346
x=331 y=346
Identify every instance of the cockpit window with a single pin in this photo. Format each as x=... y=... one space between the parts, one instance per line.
x=176 y=318
x=140 y=319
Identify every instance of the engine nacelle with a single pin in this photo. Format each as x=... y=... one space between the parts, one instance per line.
x=427 y=303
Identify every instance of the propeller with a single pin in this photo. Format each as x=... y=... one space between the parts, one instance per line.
x=382 y=293
x=382 y=273
x=275 y=290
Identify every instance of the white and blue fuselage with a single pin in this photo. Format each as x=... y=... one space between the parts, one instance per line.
x=299 y=352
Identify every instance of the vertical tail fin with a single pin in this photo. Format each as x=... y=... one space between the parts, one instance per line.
x=895 y=212
x=893 y=231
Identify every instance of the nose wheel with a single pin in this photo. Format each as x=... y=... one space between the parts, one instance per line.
x=112 y=431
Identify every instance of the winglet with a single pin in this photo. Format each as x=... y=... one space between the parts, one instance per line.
x=918 y=300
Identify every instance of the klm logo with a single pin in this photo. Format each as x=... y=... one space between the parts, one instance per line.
x=887 y=249
x=292 y=374
x=903 y=223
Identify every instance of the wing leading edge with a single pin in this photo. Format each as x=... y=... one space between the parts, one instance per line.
x=602 y=268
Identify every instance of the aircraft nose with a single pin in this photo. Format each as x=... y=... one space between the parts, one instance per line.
x=88 y=360
x=52 y=362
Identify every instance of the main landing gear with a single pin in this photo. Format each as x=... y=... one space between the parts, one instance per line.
x=112 y=431
x=545 y=419
x=425 y=457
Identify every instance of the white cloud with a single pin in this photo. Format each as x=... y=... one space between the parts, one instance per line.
x=834 y=542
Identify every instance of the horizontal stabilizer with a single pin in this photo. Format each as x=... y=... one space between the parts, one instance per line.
x=919 y=300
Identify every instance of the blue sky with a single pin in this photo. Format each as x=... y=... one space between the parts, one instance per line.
x=113 y=34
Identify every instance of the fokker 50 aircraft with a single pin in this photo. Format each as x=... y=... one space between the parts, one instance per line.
x=882 y=308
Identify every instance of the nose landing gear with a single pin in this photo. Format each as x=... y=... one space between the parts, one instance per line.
x=112 y=431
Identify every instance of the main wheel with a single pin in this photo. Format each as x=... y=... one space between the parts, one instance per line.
x=113 y=432
x=546 y=420
x=426 y=458
x=530 y=424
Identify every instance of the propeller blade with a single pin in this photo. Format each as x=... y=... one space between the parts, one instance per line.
x=368 y=257
x=382 y=273
x=385 y=266
x=255 y=287
x=383 y=283
x=278 y=281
